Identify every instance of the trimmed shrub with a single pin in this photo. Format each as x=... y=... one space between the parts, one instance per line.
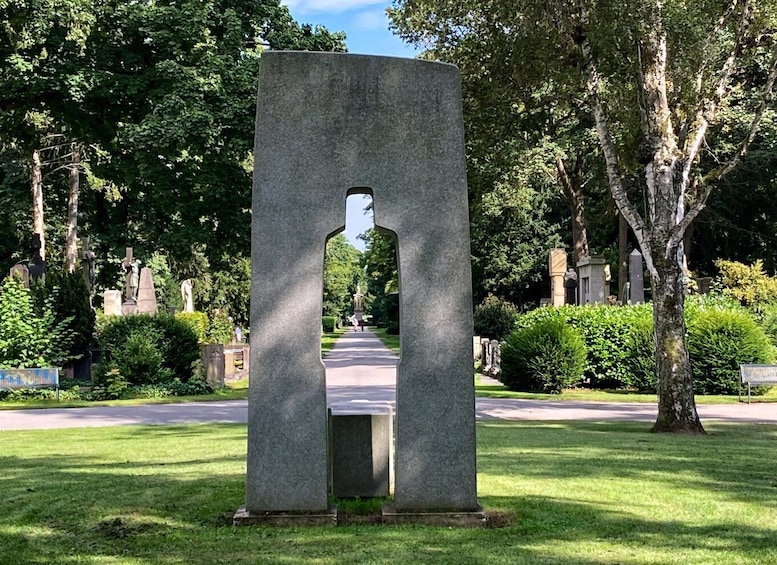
x=719 y=340
x=640 y=361
x=606 y=331
x=197 y=321
x=494 y=318
x=329 y=323
x=148 y=349
x=546 y=357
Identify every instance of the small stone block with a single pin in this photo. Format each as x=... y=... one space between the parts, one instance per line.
x=361 y=454
x=475 y=519
x=245 y=518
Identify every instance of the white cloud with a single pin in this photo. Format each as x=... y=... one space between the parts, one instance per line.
x=374 y=19
x=317 y=6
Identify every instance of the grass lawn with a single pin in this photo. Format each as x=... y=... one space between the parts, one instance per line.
x=570 y=493
x=583 y=394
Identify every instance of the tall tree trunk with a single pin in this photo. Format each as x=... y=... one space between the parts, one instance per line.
x=572 y=192
x=36 y=187
x=676 y=404
x=71 y=242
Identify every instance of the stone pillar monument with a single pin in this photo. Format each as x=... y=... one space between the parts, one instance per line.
x=558 y=268
x=330 y=125
x=358 y=304
x=636 y=282
x=593 y=287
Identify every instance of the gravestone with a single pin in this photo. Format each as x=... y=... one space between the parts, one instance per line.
x=213 y=360
x=36 y=266
x=112 y=305
x=557 y=268
x=593 y=287
x=146 y=293
x=393 y=128
x=636 y=284
x=570 y=286
x=20 y=270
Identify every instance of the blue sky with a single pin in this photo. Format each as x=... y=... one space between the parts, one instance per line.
x=366 y=26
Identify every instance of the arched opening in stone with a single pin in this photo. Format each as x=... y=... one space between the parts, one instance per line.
x=361 y=280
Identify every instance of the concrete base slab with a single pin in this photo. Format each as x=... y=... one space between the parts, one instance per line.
x=245 y=518
x=476 y=519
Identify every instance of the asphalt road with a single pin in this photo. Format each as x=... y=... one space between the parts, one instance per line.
x=360 y=375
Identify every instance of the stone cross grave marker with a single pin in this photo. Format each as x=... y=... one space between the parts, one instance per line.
x=393 y=128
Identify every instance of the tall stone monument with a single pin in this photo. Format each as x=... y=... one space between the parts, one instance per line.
x=358 y=304
x=329 y=125
x=146 y=292
x=636 y=282
x=557 y=268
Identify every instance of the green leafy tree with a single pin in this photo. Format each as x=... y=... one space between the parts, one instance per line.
x=27 y=338
x=342 y=272
x=379 y=261
x=655 y=76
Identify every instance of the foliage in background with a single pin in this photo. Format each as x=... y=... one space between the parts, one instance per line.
x=547 y=356
x=329 y=323
x=197 y=321
x=147 y=349
x=30 y=339
x=719 y=341
x=494 y=317
x=379 y=261
x=342 y=272
x=67 y=296
x=606 y=331
x=221 y=329
x=748 y=284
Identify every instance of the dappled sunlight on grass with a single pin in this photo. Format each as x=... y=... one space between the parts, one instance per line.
x=583 y=493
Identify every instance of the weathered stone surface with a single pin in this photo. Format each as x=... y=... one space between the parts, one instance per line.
x=112 y=303
x=361 y=454
x=557 y=266
x=594 y=287
x=636 y=282
x=329 y=125
x=146 y=293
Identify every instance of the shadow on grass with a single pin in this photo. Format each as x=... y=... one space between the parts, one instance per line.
x=81 y=497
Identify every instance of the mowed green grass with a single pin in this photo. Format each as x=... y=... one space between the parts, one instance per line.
x=568 y=493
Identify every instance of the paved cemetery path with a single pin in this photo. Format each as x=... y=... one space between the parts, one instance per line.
x=360 y=373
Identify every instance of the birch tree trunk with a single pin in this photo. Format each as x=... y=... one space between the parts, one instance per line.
x=36 y=188
x=71 y=242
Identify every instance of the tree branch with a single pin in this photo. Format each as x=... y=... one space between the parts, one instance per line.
x=707 y=109
x=766 y=100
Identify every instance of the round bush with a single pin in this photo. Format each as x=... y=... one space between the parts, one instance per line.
x=149 y=349
x=546 y=357
x=494 y=318
x=719 y=340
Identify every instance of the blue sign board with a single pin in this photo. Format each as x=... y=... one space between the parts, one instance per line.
x=29 y=378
